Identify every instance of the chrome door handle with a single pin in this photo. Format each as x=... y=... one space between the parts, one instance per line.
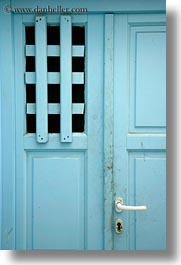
x=120 y=207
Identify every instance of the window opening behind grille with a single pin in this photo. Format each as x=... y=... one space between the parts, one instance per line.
x=53 y=66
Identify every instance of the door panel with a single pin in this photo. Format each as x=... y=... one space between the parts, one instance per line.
x=147 y=184
x=58 y=201
x=139 y=130
x=148 y=78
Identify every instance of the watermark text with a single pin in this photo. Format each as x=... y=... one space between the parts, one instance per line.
x=48 y=9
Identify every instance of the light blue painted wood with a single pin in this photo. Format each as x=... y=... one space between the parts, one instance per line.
x=55 y=108
x=22 y=183
x=146 y=25
x=148 y=228
x=93 y=175
x=100 y=6
x=138 y=155
x=54 y=50
x=8 y=126
x=146 y=141
x=20 y=201
x=108 y=131
x=148 y=92
x=58 y=221
x=94 y=129
x=120 y=166
x=141 y=182
x=77 y=78
x=41 y=79
x=66 y=78
x=144 y=19
x=150 y=188
x=154 y=94
x=79 y=142
x=55 y=19
x=54 y=78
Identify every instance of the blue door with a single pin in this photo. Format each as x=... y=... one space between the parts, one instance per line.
x=59 y=184
x=83 y=128
x=135 y=127
x=140 y=124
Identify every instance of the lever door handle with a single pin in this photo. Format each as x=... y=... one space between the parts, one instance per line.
x=120 y=207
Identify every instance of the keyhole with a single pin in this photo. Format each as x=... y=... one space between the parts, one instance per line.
x=119 y=226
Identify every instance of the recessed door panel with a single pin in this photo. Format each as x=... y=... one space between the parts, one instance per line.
x=147 y=185
x=147 y=77
x=58 y=201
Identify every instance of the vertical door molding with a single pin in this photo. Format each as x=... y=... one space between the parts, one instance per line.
x=94 y=116
x=108 y=131
x=120 y=122
x=7 y=214
x=21 y=157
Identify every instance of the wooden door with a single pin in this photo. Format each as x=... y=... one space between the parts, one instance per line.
x=83 y=123
x=59 y=132
x=139 y=170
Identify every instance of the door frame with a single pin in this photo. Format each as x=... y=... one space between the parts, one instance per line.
x=7 y=100
x=7 y=113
